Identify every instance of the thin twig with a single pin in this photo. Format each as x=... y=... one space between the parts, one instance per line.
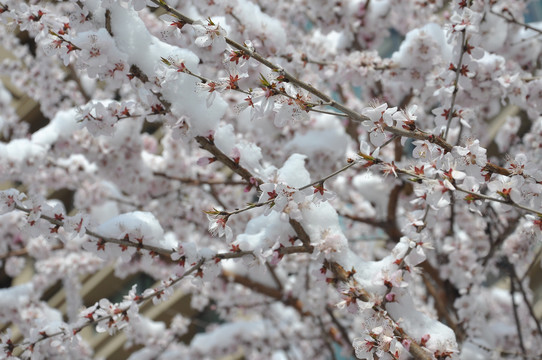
x=198 y=181
x=273 y=275
x=516 y=316
x=24 y=252
x=342 y=329
x=322 y=180
x=266 y=290
x=526 y=301
x=477 y=196
x=442 y=307
x=325 y=335
x=369 y=221
x=512 y=19
x=456 y=83
x=533 y=264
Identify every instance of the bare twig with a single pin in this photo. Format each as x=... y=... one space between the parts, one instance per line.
x=441 y=305
x=516 y=317
x=526 y=300
x=342 y=329
x=325 y=335
x=512 y=19
x=533 y=264
x=24 y=252
x=198 y=181
x=458 y=71
x=269 y=291
x=273 y=275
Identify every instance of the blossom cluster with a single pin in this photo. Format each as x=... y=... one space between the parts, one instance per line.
x=320 y=191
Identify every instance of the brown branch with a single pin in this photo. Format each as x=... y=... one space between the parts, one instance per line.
x=295 y=249
x=390 y=226
x=342 y=329
x=447 y=290
x=210 y=146
x=452 y=215
x=345 y=276
x=106 y=239
x=302 y=235
x=215 y=196
x=24 y=252
x=72 y=74
x=273 y=273
x=198 y=181
x=327 y=334
x=368 y=221
x=512 y=225
x=166 y=253
x=421 y=135
x=271 y=292
x=351 y=126
x=278 y=295
x=271 y=201
x=533 y=264
x=441 y=305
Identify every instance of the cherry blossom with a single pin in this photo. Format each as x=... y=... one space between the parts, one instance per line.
x=218 y=227
x=210 y=34
x=321 y=179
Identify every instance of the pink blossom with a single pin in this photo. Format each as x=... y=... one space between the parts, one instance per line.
x=218 y=227
x=378 y=201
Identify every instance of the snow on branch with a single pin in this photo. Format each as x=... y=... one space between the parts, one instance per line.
x=323 y=179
